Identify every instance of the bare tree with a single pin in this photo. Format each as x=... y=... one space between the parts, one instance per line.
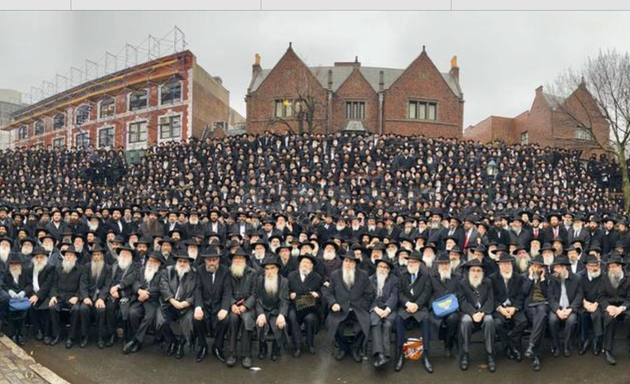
x=598 y=95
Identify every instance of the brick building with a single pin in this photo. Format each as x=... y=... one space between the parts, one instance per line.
x=547 y=123
x=166 y=99
x=348 y=96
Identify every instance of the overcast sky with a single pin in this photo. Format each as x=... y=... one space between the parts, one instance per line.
x=503 y=56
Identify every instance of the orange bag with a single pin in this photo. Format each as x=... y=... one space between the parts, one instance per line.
x=412 y=349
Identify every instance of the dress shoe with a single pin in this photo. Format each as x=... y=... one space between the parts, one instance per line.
x=172 y=347
x=380 y=361
x=356 y=355
x=39 y=335
x=529 y=352
x=83 y=342
x=597 y=347
x=610 y=359
x=297 y=352
x=180 y=350
x=262 y=351
x=341 y=353
x=218 y=353
x=275 y=353
x=55 y=340
x=230 y=361
x=203 y=352
x=555 y=351
x=536 y=364
x=311 y=350
x=463 y=362
x=69 y=343
x=566 y=351
x=246 y=362
x=584 y=347
x=100 y=344
x=400 y=361
x=491 y=365
x=508 y=353
x=426 y=362
x=47 y=340
x=127 y=347
x=517 y=354
x=110 y=341
x=136 y=347
x=21 y=340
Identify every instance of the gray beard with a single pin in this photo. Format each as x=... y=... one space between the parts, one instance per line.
x=27 y=253
x=348 y=277
x=615 y=278
x=475 y=282
x=37 y=267
x=594 y=275
x=522 y=264
x=124 y=265
x=445 y=275
x=271 y=285
x=149 y=273
x=507 y=276
x=455 y=264
x=428 y=261
x=237 y=272
x=181 y=271
x=380 y=282
x=4 y=255
x=97 y=268
x=67 y=265
x=329 y=256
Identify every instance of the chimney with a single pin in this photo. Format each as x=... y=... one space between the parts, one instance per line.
x=256 y=66
x=330 y=82
x=381 y=81
x=454 y=72
x=539 y=91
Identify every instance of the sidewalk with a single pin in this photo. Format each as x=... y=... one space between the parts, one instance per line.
x=17 y=367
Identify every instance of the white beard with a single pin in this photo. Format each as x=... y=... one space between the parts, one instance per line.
x=348 y=277
x=412 y=270
x=4 y=255
x=475 y=282
x=445 y=275
x=507 y=276
x=97 y=268
x=522 y=263
x=67 y=265
x=27 y=253
x=193 y=255
x=237 y=271
x=48 y=248
x=329 y=255
x=428 y=261
x=615 y=278
x=79 y=249
x=92 y=227
x=548 y=260
x=149 y=272
x=194 y=221
x=391 y=255
x=455 y=264
x=15 y=271
x=380 y=283
x=402 y=262
x=181 y=271
x=38 y=267
x=594 y=275
x=295 y=252
x=124 y=264
x=271 y=285
x=273 y=249
x=259 y=256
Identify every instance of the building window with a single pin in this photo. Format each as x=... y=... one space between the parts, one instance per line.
x=107 y=108
x=106 y=137
x=525 y=138
x=39 y=128
x=283 y=108
x=582 y=133
x=171 y=92
x=22 y=132
x=422 y=110
x=59 y=142
x=170 y=127
x=138 y=100
x=59 y=121
x=138 y=132
x=355 y=110
x=82 y=140
x=82 y=114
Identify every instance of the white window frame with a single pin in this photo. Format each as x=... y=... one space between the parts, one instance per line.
x=23 y=128
x=98 y=136
x=76 y=115
x=584 y=134
x=98 y=112
x=525 y=136
x=128 y=136
x=181 y=127
x=288 y=111
x=63 y=138
x=355 y=110
x=65 y=121
x=424 y=106
x=181 y=93
x=129 y=100
x=76 y=145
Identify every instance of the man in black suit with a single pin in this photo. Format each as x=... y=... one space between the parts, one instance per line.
x=476 y=298
x=565 y=299
x=43 y=278
x=94 y=288
x=509 y=318
x=590 y=311
x=443 y=281
x=578 y=232
x=555 y=230
x=610 y=236
x=383 y=311
x=536 y=288
x=212 y=303
x=18 y=284
x=305 y=300
x=413 y=300
x=56 y=226
x=272 y=307
x=215 y=226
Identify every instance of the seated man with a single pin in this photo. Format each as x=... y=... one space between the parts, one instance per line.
x=476 y=298
x=18 y=284
x=124 y=274
x=94 y=289
x=536 y=288
x=565 y=298
x=348 y=297
x=272 y=307
x=614 y=299
x=146 y=301
x=509 y=318
x=445 y=280
x=383 y=310
x=305 y=300
x=590 y=311
x=177 y=290
x=42 y=275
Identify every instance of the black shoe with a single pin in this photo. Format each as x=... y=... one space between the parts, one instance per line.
x=127 y=347
x=427 y=363
x=567 y=351
x=83 y=342
x=356 y=355
x=230 y=361
x=69 y=343
x=555 y=351
x=508 y=353
x=136 y=347
x=100 y=344
x=21 y=340
x=517 y=354
x=536 y=364
x=400 y=361
x=584 y=347
x=297 y=352
x=597 y=348
x=246 y=362
x=610 y=359
x=262 y=351
x=110 y=341
x=463 y=362
x=180 y=350
x=529 y=353
x=203 y=352
x=275 y=353
x=218 y=354
x=311 y=350
x=341 y=353
x=491 y=365
x=39 y=335
x=47 y=340
x=380 y=361
x=172 y=347
x=55 y=340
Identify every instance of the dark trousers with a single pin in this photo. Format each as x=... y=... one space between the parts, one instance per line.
x=451 y=322
x=74 y=318
x=381 y=337
x=511 y=330
x=219 y=328
x=310 y=321
x=141 y=317
x=537 y=316
x=425 y=325
x=356 y=343
x=40 y=320
x=610 y=326
x=467 y=326
x=4 y=305
x=234 y=327
x=570 y=326
x=591 y=321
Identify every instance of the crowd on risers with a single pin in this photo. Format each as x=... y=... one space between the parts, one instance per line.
x=274 y=238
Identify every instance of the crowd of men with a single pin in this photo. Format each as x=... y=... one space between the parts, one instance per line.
x=267 y=240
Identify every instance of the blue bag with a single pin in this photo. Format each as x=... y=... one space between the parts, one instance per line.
x=445 y=305
x=16 y=305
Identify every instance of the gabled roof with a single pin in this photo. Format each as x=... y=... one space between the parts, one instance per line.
x=553 y=101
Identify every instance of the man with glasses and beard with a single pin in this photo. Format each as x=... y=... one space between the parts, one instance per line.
x=177 y=290
x=212 y=303
x=614 y=299
x=305 y=294
x=94 y=288
x=17 y=284
x=65 y=294
x=348 y=297
x=124 y=274
x=242 y=281
x=522 y=258
x=272 y=307
x=146 y=301
x=444 y=281
x=590 y=311
x=509 y=319
x=383 y=311
x=565 y=298
x=536 y=307
x=42 y=279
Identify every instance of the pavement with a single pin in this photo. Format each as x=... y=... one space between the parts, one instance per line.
x=17 y=367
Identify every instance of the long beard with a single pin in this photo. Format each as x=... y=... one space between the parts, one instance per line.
x=193 y=221
x=475 y=282
x=181 y=271
x=615 y=278
x=506 y=275
x=149 y=272
x=38 y=267
x=27 y=253
x=348 y=277
x=4 y=255
x=67 y=265
x=97 y=268
x=329 y=255
x=16 y=271
x=594 y=275
x=48 y=248
x=428 y=261
x=237 y=270
x=124 y=264
x=412 y=270
x=380 y=283
x=522 y=263
x=391 y=255
x=548 y=260
x=445 y=275
x=92 y=227
x=271 y=285
x=402 y=262
x=455 y=264
x=295 y=252
x=193 y=255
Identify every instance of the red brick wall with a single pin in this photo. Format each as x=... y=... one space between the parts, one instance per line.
x=355 y=88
